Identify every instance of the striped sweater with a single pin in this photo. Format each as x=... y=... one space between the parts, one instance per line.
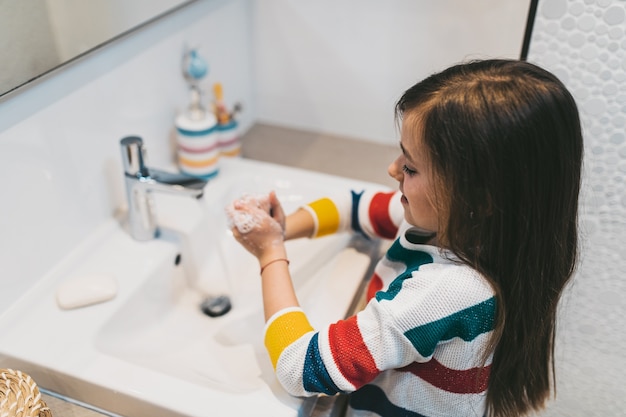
x=416 y=349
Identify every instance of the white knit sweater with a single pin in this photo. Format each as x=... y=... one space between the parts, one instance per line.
x=417 y=347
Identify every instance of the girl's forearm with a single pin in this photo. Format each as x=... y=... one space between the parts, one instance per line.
x=277 y=287
x=299 y=224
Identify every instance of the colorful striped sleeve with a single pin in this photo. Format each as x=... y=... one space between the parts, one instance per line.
x=284 y=328
x=372 y=213
x=398 y=332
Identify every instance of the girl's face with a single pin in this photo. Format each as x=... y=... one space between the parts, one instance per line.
x=413 y=171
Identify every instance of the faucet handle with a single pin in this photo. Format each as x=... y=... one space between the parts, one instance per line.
x=133 y=154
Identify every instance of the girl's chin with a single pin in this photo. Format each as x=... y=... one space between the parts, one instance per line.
x=407 y=217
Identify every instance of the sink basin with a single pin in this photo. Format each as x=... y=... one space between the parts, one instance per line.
x=151 y=350
x=161 y=326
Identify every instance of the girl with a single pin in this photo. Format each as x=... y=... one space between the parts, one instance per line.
x=462 y=309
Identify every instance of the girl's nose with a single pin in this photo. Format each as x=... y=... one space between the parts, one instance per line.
x=394 y=171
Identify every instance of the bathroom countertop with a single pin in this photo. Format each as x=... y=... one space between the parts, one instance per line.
x=62 y=408
x=336 y=155
x=326 y=153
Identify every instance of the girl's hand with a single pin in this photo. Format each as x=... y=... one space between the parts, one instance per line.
x=258 y=224
x=276 y=211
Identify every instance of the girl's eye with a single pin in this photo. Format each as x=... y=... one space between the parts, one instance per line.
x=408 y=171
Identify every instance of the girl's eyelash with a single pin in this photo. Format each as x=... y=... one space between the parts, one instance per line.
x=408 y=170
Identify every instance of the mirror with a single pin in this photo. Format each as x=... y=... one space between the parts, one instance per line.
x=39 y=36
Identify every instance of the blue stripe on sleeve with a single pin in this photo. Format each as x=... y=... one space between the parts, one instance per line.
x=315 y=375
x=354 y=216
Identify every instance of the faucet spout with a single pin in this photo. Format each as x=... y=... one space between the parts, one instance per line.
x=142 y=181
x=173 y=183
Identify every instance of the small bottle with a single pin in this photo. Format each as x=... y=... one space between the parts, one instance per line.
x=196 y=128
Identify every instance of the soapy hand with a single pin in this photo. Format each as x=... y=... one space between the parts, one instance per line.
x=258 y=223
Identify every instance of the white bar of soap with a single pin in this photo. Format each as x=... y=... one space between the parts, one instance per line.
x=86 y=290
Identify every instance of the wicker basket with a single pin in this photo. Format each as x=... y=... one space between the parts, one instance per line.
x=19 y=396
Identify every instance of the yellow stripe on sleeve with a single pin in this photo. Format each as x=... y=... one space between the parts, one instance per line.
x=327 y=216
x=283 y=331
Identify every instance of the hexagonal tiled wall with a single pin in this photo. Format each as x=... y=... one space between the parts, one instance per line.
x=584 y=43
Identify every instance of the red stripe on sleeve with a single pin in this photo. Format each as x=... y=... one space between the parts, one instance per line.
x=351 y=355
x=467 y=381
x=379 y=216
x=375 y=285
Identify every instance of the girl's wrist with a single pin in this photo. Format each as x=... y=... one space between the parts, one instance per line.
x=272 y=262
x=270 y=255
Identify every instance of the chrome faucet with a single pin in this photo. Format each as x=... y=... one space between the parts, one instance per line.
x=141 y=181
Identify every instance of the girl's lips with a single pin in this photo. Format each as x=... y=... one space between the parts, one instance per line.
x=403 y=200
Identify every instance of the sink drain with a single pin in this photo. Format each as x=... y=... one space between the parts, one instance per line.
x=215 y=306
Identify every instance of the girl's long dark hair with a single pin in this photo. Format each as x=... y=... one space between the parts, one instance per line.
x=505 y=143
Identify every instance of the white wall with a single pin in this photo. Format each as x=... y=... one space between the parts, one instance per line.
x=59 y=139
x=584 y=43
x=339 y=66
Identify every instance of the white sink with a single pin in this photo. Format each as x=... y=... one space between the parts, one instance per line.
x=150 y=350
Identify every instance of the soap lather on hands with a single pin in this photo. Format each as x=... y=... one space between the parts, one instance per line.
x=258 y=223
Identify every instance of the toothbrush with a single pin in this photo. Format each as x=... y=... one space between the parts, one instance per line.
x=220 y=108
